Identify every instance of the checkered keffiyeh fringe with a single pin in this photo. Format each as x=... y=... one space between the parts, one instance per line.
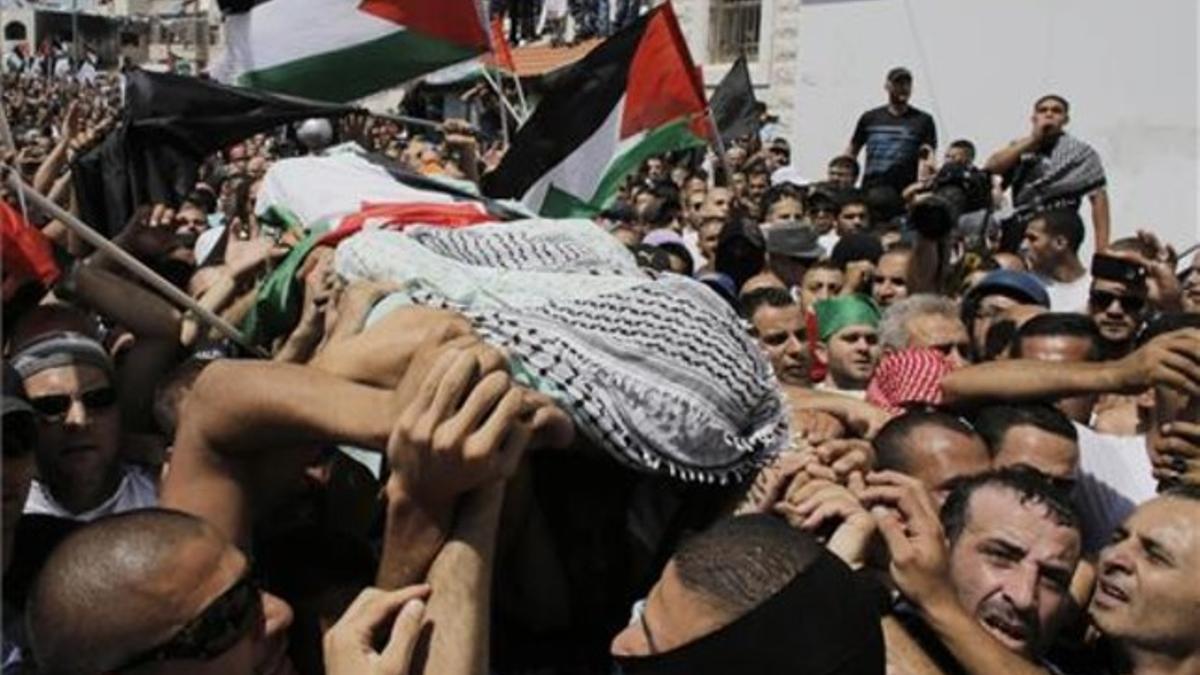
x=1072 y=170
x=658 y=372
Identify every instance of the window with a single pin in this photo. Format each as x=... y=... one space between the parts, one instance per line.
x=15 y=31
x=734 y=27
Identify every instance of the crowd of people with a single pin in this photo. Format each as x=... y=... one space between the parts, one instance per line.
x=885 y=421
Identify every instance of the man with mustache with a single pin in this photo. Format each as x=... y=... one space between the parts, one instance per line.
x=1008 y=543
x=1144 y=605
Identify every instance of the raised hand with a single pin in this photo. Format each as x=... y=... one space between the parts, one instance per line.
x=907 y=518
x=1171 y=360
x=461 y=427
x=824 y=506
x=349 y=645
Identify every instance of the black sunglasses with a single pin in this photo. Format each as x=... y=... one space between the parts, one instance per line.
x=57 y=405
x=1131 y=304
x=222 y=624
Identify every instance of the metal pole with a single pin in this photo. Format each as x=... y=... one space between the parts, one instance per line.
x=500 y=92
x=405 y=119
x=6 y=137
x=131 y=263
x=718 y=145
x=75 y=35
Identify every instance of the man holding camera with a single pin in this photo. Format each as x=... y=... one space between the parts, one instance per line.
x=1051 y=170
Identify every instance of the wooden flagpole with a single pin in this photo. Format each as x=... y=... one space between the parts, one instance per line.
x=131 y=263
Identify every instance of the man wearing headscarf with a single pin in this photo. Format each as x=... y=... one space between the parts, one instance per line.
x=849 y=343
x=753 y=595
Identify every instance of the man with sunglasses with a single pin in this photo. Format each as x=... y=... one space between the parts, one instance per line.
x=1117 y=302
x=153 y=591
x=69 y=378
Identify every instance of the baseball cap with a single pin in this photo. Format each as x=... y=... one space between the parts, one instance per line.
x=899 y=73
x=796 y=240
x=1021 y=286
x=789 y=174
x=856 y=246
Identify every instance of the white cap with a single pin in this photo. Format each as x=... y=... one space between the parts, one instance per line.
x=315 y=134
x=789 y=174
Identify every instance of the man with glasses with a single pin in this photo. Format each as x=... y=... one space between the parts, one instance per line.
x=154 y=591
x=1117 y=302
x=70 y=382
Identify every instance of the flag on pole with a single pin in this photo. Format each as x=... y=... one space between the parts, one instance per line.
x=633 y=97
x=27 y=254
x=171 y=124
x=504 y=57
x=340 y=50
x=732 y=103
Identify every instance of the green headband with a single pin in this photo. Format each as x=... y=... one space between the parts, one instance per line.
x=837 y=313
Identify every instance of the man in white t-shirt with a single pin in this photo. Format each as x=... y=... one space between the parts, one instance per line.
x=70 y=381
x=1051 y=247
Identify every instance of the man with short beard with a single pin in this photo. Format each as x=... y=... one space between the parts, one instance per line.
x=849 y=343
x=889 y=283
x=1144 y=606
x=71 y=383
x=1001 y=554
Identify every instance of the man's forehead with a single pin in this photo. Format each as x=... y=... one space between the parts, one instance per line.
x=1000 y=513
x=1172 y=522
x=65 y=379
x=822 y=274
x=1056 y=347
x=854 y=332
x=769 y=318
x=931 y=325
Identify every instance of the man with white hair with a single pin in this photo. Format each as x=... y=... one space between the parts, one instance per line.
x=925 y=320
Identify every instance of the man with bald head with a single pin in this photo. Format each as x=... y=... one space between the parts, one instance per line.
x=153 y=591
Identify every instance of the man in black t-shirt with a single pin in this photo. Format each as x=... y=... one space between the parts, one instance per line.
x=895 y=136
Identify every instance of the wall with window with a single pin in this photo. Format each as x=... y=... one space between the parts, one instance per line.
x=766 y=30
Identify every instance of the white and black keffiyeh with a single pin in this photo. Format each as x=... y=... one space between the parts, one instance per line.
x=1059 y=179
x=655 y=369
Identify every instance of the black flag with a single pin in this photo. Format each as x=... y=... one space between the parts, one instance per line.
x=732 y=103
x=171 y=123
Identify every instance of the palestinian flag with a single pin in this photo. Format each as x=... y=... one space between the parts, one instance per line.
x=340 y=50
x=635 y=96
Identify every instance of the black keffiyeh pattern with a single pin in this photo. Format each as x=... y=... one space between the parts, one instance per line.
x=660 y=373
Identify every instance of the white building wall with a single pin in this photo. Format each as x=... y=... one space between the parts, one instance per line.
x=774 y=72
x=1129 y=70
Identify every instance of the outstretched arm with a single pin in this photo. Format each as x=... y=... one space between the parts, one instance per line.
x=246 y=413
x=1172 y=360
